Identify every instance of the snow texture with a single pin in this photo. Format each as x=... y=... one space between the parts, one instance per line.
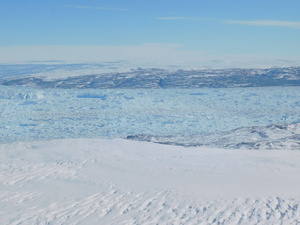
x=93 y=181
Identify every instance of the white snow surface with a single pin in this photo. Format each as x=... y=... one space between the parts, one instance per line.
x=100 y=181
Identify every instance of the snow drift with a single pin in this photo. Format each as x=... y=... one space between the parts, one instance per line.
x=94 y=181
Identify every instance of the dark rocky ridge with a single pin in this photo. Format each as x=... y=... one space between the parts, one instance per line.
x=160 y=78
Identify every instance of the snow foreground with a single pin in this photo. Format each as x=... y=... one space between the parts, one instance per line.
x=95 y=181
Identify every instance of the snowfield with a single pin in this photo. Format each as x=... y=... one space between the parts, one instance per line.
x=100 y=181
x=148 y=156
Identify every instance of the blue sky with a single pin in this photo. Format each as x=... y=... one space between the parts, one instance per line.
x=210 y=28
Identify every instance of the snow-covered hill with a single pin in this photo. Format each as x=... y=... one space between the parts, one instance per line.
x=93 y=181
x=116 y=75
x=271 y=137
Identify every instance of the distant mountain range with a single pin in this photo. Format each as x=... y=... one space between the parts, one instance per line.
x=155 y=78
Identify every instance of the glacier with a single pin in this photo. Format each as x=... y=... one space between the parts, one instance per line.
x=189 y=117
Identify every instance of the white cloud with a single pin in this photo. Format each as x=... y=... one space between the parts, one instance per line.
x=273 y=23
x=156 y=55
x=270 y=23
x=95 y=8
x=178 y=18
x=88 y=53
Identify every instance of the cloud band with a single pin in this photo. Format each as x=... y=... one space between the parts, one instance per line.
x=269 y=23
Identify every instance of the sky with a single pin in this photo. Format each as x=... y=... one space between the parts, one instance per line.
x=174 y=31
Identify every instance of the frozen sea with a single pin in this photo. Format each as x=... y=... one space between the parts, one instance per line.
x=177 y=116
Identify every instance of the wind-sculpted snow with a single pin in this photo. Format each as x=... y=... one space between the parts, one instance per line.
x=94 y=76
x=231 y=118
x=93 y=181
